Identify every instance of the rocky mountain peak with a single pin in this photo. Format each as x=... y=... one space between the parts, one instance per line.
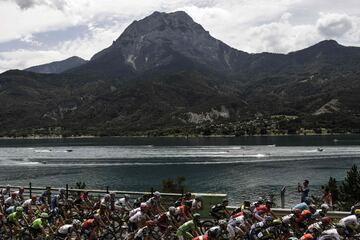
x=161 y=39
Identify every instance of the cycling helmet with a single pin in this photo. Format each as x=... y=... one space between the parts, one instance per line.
x=293 y=238
x=357 y=212
x=325 y=206
x=326 y=220
x=225 y=201
x=172 y=210
x=107 y=196
x=44 y=215
x=260 y=200
x=307 y=236
x=306 y=213
x=157 y=194
x=197 y=216
x=19 y=209
x=268 y=202
x=13 y=194
x=126 y=196
x=143 y=206
x=188 y=194
x=76 y=222
x=150 y=223
x=21 y=189
x=62 y=191
x=277 y=222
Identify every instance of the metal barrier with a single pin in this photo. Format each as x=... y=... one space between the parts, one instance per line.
x=209 y=199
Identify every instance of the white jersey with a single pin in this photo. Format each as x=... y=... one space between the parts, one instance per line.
x=10 y=201
x=138 y=217
x=349 y=221
x=232 y=230
x=330 y=233
x=27 y=204
x=66 y=229
x=134 y=211
x=232 y=221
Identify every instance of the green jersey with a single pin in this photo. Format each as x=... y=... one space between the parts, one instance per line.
x=13 y=217
x=37 y=224
x=188 y=226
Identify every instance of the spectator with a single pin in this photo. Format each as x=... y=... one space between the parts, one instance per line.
x=327 y=197
x=304 y=190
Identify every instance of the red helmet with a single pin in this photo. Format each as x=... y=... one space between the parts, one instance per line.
x=326 y=220
x=307 y=236
x=306 y=213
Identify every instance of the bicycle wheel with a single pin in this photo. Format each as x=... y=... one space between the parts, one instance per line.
x=205 y=225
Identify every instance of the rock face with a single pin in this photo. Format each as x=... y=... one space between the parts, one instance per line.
x=58 y=66
x=171 y=40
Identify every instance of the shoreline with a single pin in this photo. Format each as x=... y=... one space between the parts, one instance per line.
x=172 y=136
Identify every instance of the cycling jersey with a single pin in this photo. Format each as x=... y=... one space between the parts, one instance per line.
x=232 y=230
x=89 y=223
x=302 y=206
x=66 y=229
x=350 y=222
x=330 y=234
x=188 y=227
x=138 y=217
x=14 y=217
x=37 y=224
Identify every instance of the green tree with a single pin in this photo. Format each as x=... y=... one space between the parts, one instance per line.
x=350 y=188
x=332 y=185
x=174 y=185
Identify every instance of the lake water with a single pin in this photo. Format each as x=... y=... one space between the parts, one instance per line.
x=244 y=168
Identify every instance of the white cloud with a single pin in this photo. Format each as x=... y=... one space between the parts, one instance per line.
x=334 y=25
x=249 y=25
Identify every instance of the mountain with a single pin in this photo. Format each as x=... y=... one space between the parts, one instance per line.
x=166 y=74
x=58 y=66
x=164 y=41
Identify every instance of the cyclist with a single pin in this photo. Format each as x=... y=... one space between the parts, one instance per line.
x=19 y=194
x=66 y=231
x=154 y=204
x=15 y=217
x=45 y=197
x=220 y=230
x=27 y=204
x=189 y=229
x=146 y=232
x=38 y=225
x=351 y=223
x=262 y=210
x=182 y=200
x=219 y=210
x=11 y=201
x=124 y=203
x=167 y=220
x=137 y=220
x=184 y=212
x=196 y=204
x=57 y=198
x=91 y=226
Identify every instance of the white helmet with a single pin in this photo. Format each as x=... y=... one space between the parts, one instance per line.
x=325 y=206
x=157 y=194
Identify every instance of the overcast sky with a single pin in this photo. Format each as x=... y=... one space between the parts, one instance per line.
x=40 y=31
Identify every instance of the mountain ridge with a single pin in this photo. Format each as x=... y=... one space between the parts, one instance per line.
x=166 y=73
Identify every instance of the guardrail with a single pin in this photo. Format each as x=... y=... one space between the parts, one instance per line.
x=209 y=199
